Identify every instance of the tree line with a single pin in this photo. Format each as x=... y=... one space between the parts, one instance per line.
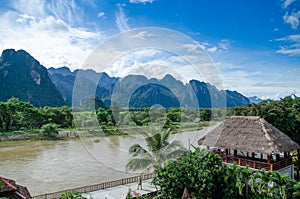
x=17 y=115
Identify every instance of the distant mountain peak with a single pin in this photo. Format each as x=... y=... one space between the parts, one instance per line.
x=22 y=76
x=255 y=99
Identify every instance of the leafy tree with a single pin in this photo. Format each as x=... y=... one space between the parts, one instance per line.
x=49 y=130
x=206 y=114
x=200 y=171
x=174 y=114
x=159 y=150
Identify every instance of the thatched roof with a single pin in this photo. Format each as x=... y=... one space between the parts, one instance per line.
x=249 y=134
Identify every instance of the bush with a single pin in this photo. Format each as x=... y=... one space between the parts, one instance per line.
x=49 y=130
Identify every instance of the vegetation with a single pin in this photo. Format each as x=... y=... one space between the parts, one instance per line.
x=159 y=150
x=72 y=195
x=203 y=175
x=1 y=185
x=17 y=115
x=201 y=172
x=49 y=131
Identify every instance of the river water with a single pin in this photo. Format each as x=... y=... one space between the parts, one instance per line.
x=49 y=166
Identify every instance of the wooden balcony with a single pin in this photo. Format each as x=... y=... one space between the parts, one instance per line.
x=257 y=163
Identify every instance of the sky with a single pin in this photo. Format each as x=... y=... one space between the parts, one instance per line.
x=254 y=45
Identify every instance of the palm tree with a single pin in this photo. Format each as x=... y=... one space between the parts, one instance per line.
x=158 y=151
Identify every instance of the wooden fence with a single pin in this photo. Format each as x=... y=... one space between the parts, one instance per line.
x=95 y=187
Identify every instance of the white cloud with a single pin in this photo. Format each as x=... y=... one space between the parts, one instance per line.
x=212 y=49
x=37 y=27
x=140 y=1
x=219 y=47
x=287 y=3
x=142 y=35
x=101 y=14
x=260 y=83
x=290 y=45
x=292 y=19
x=193 y=47
x=121 y=20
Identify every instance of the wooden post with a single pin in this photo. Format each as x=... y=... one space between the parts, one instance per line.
x=269 y=159
x=271 y=167
x=235 y=153
x=239 y=161
x=226 y=155
x=298 y=164
x=277 y=157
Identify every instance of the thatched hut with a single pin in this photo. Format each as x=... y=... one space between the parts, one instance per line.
x=252 y=141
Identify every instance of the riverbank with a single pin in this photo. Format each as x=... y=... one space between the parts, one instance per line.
x=34 y=134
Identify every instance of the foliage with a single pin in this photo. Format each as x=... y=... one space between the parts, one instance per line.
x=200 y=171
x=49 y=130
x=159 y=150
x=72 y=195
x=105 y=117
x=296 y=190
x=17 y=115
x=204 y=176
x=247 y=183
x=206 y=114
x=61 y=116
x=1 y=185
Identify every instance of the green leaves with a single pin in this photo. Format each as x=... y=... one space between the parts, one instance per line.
x=158 y=151
x=199 y=171
x=72 y=195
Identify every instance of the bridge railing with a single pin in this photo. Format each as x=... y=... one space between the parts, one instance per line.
x=95 y=187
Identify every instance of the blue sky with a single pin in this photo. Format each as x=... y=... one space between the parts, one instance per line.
x=255 y=44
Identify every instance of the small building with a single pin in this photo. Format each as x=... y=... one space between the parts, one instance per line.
x=9 y=189
x=252 y=141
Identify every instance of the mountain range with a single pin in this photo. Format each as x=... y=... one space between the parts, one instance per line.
x=24 y=77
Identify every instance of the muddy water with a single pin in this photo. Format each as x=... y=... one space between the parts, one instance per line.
x=49 y=166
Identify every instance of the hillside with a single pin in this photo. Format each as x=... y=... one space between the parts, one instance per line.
x=138 y=91
x=23 y=77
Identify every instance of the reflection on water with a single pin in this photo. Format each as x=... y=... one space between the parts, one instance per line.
x=48 y=166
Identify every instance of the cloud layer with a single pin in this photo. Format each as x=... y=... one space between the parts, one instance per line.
x=48 y=30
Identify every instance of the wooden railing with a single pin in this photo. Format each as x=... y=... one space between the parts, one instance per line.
x=258 y=164
x=95 y=187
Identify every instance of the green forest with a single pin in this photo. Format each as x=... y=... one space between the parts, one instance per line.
x=17 y=116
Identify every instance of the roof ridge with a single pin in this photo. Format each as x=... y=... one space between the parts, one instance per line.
x=263 y=124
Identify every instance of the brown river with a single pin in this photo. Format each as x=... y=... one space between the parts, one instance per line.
x=49 y=166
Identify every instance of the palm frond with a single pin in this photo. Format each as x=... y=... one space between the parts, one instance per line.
x=137 y=149
x=140 y=163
